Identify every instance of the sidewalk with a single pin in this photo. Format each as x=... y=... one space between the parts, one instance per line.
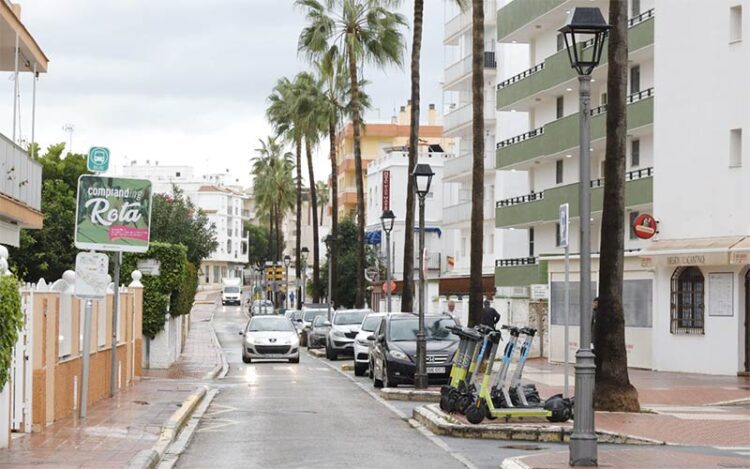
x=117 y=429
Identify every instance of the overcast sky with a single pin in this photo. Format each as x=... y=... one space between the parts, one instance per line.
x=183 y=81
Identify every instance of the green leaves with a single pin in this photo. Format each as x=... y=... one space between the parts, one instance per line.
x=11 y=321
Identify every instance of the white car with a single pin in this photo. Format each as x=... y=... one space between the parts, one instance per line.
x=345 y=326
x=270 y=337
x=362 y=345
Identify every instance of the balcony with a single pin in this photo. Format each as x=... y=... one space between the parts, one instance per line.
x=461 y=165
x=461 y=213
x=461 y=70
x=556 y=70
x=544 y=206
x=562 y=134
x=433 y=261
x=462 y=116
x=462 y=21
x=21 y=182
x=520 y=272
x=520 y=13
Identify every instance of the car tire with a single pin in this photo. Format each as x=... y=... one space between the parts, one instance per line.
x=294 y=360
x=330 y=354
x=386 y=380
x=359 y=369
x=376 y=383
x=246 y=359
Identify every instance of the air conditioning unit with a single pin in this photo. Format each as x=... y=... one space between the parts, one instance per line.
x=512 y=292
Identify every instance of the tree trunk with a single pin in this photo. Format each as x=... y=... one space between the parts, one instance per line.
x=314 y=206
x=279 y=237
x=407 y=287
x=334 y=207
x=359 y=299
x=613 y=390
x=477 y=171
x=322 y=210
x=298 y=247
x=271 y=236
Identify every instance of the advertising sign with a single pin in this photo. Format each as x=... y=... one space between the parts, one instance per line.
x=113 y=214
x=644 y=226
x=91 y=275
x=386 y=190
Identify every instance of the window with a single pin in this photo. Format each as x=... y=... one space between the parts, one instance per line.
x=463 y=247
x=557 y=234
x=531 y=242
x=177 y=174
x=603 y=99
x=687 y=301
x=633 y=215
x=560 y=102
x=735 y=23
x=603 y=168
x=735 y=148
x=635 y=152
x=559 y=171
x=560 y=42
x=635 y=79
x=229 y=246
x=635 y=8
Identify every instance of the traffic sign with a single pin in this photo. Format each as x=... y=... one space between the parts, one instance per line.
x=91 y=275
x=389 y=287
x=98 y=160
x=564 y=224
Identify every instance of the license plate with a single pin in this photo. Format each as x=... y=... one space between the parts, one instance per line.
x=435 y=369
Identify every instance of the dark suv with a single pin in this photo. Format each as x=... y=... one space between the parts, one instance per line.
x=393 y=356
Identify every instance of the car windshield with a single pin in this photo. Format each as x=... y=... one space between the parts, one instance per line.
x=349 y=318
x=231 y=289
x=270 y=324
x=312 y=314
x=371 y=323
x=319 y=321
x=297 y=315
x=435 y=329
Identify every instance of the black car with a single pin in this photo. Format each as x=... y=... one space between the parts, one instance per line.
x=393 y=356
x=316 y=337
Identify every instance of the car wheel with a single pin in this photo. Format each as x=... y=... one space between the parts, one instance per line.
x=294 y=360
x=245 y=359
x=359 y=369
x=386 y=379
x=330 y=354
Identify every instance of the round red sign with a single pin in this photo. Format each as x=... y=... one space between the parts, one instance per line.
x=387 y=287
x=644 y=226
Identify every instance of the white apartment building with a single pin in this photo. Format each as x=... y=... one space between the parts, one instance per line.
x=224 y=205
x=289 y=231
x=457 y=123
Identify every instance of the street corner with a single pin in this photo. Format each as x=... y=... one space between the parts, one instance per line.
x=406 y=394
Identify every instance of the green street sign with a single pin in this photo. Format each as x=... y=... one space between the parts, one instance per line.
x=98 y=161
x=113 y=214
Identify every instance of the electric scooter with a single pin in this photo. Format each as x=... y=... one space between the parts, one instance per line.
x=517 y=394
x=462 y=365
x=467 y=388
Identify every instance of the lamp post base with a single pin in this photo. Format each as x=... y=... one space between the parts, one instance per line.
x=420 y=381
x=420 y=377
x=583 y=441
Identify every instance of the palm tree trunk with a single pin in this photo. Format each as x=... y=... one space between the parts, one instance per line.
x=613 y=390
x=359 y=299
x=316 y=244
x=322 y=210
x=298 y=247
x=407 y=287
x=279 y=220
x=334 y=206
x=477 y=175
x=271 y=238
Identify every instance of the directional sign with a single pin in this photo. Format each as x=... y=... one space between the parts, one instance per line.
x=98 y=161
x=91 y=275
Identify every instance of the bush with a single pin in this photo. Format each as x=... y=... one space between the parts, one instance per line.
x=11 y=321
x=159 y=291
x=182 y=302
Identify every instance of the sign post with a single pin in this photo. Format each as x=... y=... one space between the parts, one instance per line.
x=386 y=190
x=564 y=229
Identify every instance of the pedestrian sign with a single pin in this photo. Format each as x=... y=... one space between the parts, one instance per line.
x=98 y=161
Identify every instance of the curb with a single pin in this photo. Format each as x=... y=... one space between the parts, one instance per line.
x=347 y=367
x=149 y=458
x=414 y=395
x=221 y=369
x=514 y=463
x=734 y=402
x=317 y=353
x=440 y=423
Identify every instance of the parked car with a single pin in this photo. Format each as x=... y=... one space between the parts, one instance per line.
x=345 y=325
x=261 y=307
x=318 y=332
x=362 y=342
x=393 y=355
x=295 y=315
x=272 y=337
x=310 y=312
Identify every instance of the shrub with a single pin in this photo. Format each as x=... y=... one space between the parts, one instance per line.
x=182 y=302
x=11 y=321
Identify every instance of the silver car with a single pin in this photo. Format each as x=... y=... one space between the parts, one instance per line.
x=345 y=326
x=270 y=337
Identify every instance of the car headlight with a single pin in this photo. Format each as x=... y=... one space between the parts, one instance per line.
x=398 y=355
x=363 y=342
x=294 y=341
x=339 y=334
x=250 y=340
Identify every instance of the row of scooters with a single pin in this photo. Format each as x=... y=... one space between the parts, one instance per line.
x=478 y=391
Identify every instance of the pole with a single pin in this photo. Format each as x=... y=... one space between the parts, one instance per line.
x=567 y=320
x=286 y=289
x=15 y=88
x=302 y=290
x=86 y=353
x=33 y=108
x=388 y=270
x=420 y=377
x=115 y=317
x=274 y=286
x=583 y=450
x=329 y=284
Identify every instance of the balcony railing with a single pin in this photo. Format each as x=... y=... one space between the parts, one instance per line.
x=20 y=175
x=633 y=98
x=521 y=76
x=631 y=22
x=520 y=199
x=516 y=261
x=463 y=67
x=463 y=115
x=520 y=138
x=433 y=261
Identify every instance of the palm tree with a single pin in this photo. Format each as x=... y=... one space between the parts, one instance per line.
x=285 y=118
x=477 y=171
x=359 y=31
x=407 y=290
x=613 y=390
x=321 y=189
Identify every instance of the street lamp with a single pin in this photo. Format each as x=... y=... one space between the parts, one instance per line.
x=422 y=179
x=329 y=240
x=261 y=283
x=304 y=252
x=386 y=220
x=587 y=25
x=287 y=261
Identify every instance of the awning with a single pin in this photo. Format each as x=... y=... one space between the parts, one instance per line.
x=372 y=237
x=720 y=250
x=430 y=229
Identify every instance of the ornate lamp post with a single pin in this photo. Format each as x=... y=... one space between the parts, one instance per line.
x=329 y=240
x=422 y=179
x=287 y=262
x=584 y=35
x=304 y=252
x=386 y=221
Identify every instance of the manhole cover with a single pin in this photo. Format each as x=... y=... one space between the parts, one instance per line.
x=523 y=447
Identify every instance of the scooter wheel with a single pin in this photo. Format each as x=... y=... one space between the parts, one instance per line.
x=464 y=402
x=476 y=413
x=444 y=404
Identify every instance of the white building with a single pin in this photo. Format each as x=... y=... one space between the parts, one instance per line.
x=225 y=206
x=458 y=125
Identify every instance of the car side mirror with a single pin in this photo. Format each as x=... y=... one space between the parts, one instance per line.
x=327 y=323
x=381 y=338
x=298 y=320
x=242 y=333
x=371 y=337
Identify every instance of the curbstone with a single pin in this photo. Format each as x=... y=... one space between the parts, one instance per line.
x=441 y=423
x=317 y=353
x=414 y=395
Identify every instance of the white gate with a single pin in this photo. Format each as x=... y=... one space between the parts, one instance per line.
x=21 y=370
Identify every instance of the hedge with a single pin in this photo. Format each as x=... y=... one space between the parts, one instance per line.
x=11 y=321
x=159 y=290
x=182 y=302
